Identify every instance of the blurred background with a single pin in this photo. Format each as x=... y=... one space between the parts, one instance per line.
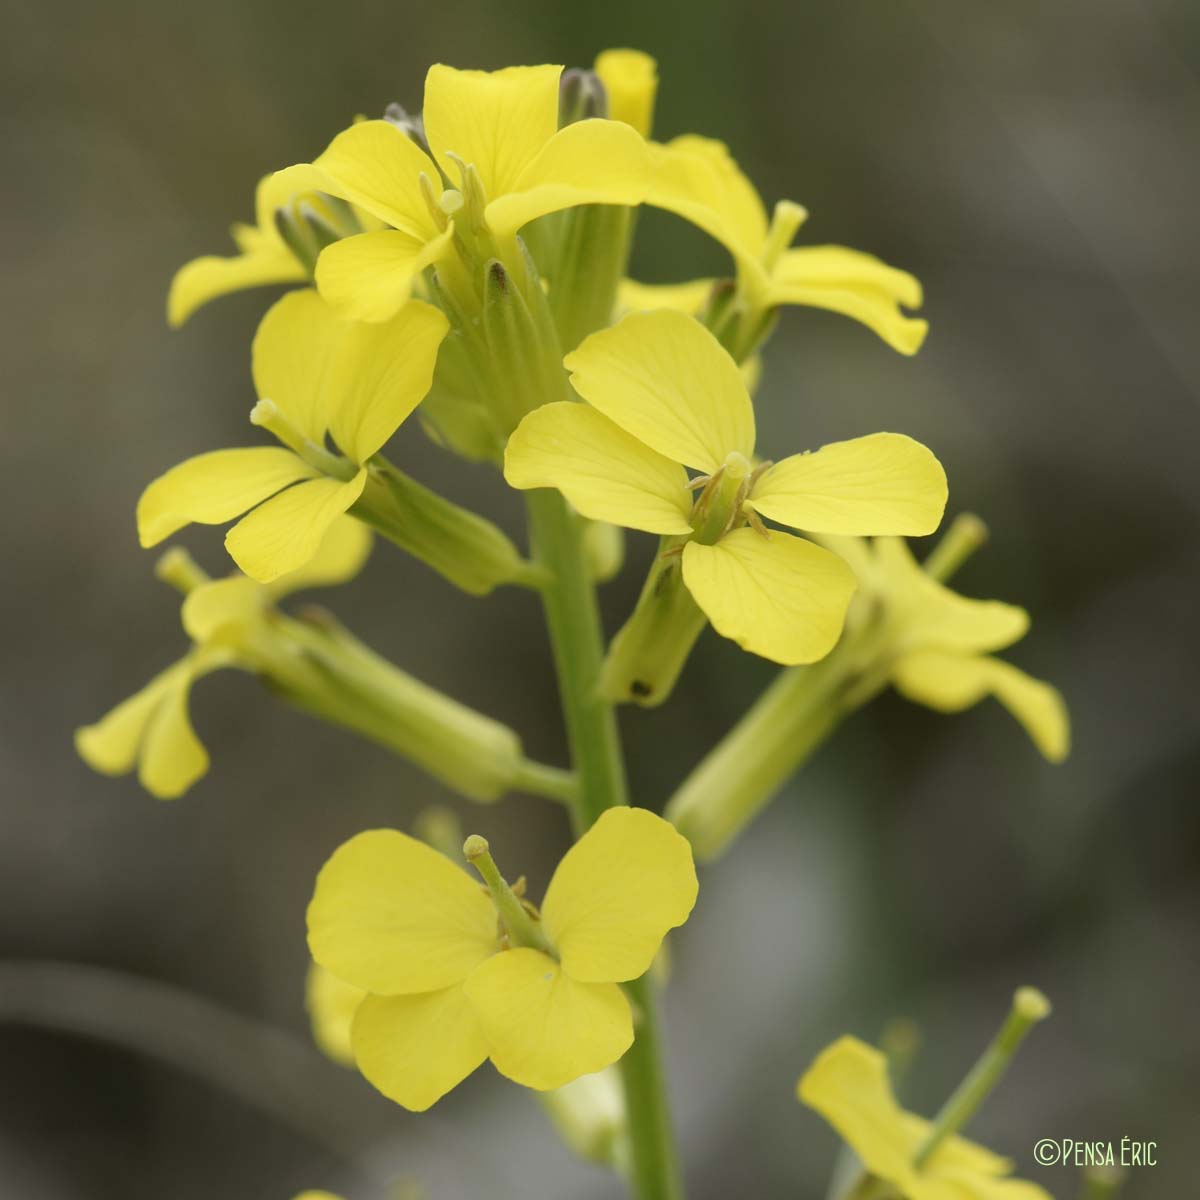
x=1035 y=165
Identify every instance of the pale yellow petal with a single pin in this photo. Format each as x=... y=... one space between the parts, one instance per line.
x=215 y=487
x=342 y=554
x=377 y=167
x=929 y=616
x=630 y=81
x=215 y=606
x=689 y=297
x=587 y=162
x=778 y=596
x=667 y=381
x=414 y=1049
x=543 y=1029
x=111 y=745
x=284 y=533
x=848 y=1085
x=263 y=262
x=369 y=277
x=952 y=682
x=497 y=120
x=385 y=372
x=855 y=285
x=697 y=178
x=172 y=757
x=885 y=483
x=604 y=472
x=395 y=917
x=331 y=1004
x=295 y=360
x=617 y=893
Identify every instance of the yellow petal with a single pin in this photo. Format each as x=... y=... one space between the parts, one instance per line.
x=630 y=81
x=604 y=472
x=778 y=596
x=497 y=120
x=414 y=1049
x=343 y=552
x=331 y=1004
x=697 y=179
x=687 y=297
x=203 y=279
x=885 y=483
x=213 y=488
x=952 y=682
x=587 y=162
x=212 y=607
x=111 y=745
x=171 y=757
x=617 y=893
x=377 y=167
x=855 y=285
x=284 y=533
x=848 y=1085
x=929 y=616
x=385 y=373
x=395 y=917
x=667 y=381
x=295 y=360
x=544 y=1029
x=368 y=277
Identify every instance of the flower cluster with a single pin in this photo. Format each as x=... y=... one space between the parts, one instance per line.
x=467 y=266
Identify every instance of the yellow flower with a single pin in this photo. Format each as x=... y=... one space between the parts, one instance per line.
x=264 y=255
x=394 y=917
x=663 y=396
x=496 y=135
x=698 y=179
x=937 y=645
x=315 y=375
x=152 y=730
x=848 y=1085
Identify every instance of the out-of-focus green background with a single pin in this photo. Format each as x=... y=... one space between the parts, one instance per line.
x=1035 y=164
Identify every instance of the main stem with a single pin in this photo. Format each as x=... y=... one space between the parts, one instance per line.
x=573 y=621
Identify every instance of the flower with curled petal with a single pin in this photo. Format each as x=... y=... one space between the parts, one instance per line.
x=317 y=376
x=848 y=1085
x=497 y=160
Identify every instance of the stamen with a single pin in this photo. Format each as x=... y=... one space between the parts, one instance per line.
x=431 y=200
x=785 y=221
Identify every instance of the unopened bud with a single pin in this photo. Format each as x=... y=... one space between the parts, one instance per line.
x=581 y=95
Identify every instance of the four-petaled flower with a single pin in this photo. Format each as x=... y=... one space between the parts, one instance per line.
x=937 y=645
x=495 y=135
x=315 y=375
x=848 y=1085
x=151 y=730
x=698 y=179
x=662 y=396
x=446 y=989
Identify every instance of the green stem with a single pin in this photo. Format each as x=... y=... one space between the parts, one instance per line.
x=541 y=779
x=573 y=621
x=743 y=771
